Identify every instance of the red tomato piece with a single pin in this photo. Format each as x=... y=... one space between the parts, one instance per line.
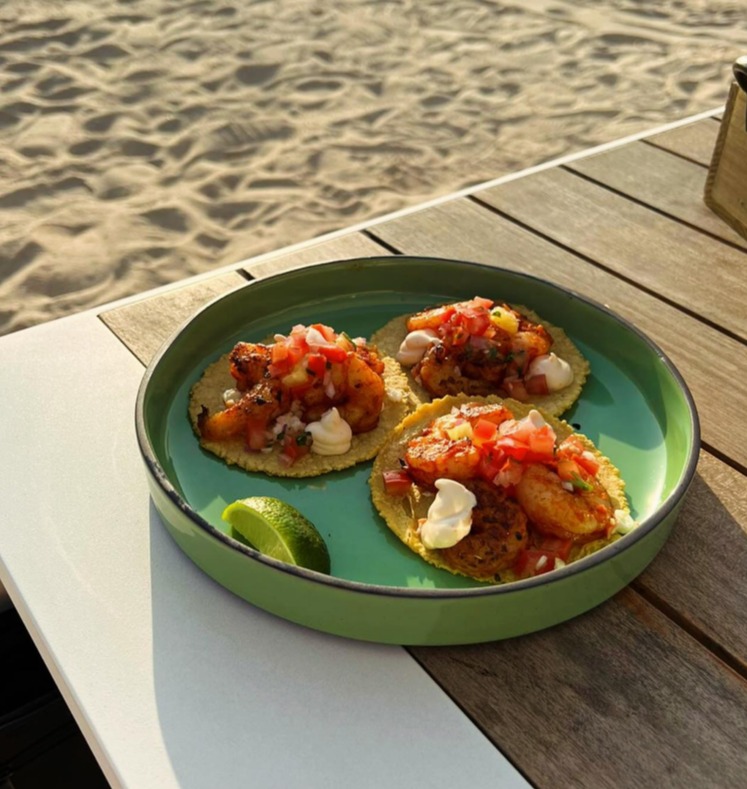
x=295 y=354
x=542 y=442
x=556 y=545
x=294 y=446
x=326 y=331
x=333 y=352
x=537 y=384
x=588 y=463
x=534 y=561
x=568 y=469
x=512 y=447
x=483 y=432
x=474 y=319
x=316 y=364
x=516 y=389
x=397 y=483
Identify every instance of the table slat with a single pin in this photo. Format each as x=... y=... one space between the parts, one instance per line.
x=694 y=141
x=143 y=326
x=658 y=253
x=620 y=697
x=703 y=566
x=464 y=230
x=647 y=173
x=352 y=245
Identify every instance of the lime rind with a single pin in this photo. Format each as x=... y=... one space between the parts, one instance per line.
x=276 y=529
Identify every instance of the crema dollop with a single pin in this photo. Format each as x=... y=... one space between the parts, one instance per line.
x=331 y=435
x=414 y=346
x=449 y=517
x=558 y=373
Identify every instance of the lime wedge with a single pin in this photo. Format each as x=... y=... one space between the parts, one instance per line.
x=276 y=529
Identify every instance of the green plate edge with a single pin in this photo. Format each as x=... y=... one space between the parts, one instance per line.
x=459 y=611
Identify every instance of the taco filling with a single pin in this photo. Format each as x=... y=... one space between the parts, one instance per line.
x=495 y=490
x=308 y=402
x=480 y=347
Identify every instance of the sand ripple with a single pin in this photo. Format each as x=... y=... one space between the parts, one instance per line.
x=142 y=141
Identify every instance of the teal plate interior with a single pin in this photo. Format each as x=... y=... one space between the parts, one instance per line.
x=634 y=406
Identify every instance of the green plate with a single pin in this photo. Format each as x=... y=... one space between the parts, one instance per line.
x=635 y=407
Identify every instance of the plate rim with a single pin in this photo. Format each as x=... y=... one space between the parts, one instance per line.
x=609 y=552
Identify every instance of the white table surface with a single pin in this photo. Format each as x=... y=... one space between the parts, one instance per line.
x=173 y=680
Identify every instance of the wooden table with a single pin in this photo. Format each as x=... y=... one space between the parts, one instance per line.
x=176 y=682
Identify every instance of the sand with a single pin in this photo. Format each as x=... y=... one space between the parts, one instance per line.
x=143 y=141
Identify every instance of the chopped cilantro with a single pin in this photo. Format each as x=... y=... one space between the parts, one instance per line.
x=579 y=483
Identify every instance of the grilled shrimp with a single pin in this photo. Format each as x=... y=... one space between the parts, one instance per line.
x=265 y=401
x=431 y=456
x=249 y=363
x=429 y=319
x=532 y=340
x=434 y=453
x=323 y=393
x=371 y=357
x=497 y=536
x=580 y=515
x=362 y=395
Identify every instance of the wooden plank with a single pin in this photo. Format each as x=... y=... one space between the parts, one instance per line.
x=619 y=697
x=349 y=246
x=464 y=230
x=647 y=174
x=695 y=141
x=686 y=266
x=703 y=566
x=145 y=325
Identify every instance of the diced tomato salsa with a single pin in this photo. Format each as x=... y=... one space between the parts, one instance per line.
x=309 y=350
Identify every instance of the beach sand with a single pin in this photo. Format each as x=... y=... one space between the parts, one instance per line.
x=143 y=141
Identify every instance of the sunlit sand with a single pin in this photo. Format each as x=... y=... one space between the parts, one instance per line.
x=143 y=142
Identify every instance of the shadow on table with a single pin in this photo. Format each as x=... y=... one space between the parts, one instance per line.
x=245 y=697
x=253 y=662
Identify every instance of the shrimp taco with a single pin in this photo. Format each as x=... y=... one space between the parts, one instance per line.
x=496 y=490
x=299 y=405
x=479 y=347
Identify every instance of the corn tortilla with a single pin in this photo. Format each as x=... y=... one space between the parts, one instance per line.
x=216 y=379
x=390 y=336
x=402 y=513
